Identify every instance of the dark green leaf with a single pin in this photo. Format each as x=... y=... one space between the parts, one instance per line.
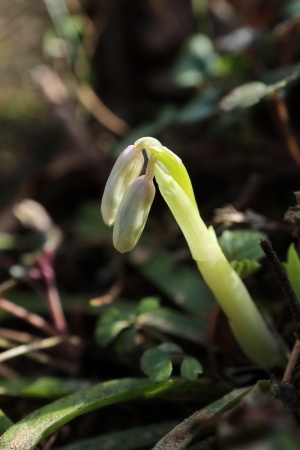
x=190 y=368
x=200 y=422
x=125 y=342
x=170 y=347
x=44 y=387
x=156 y=364
x=199 y=108
x=175 y=323
x=135 y=438
x=148 y=304
x=182 y=284
x=244 y=96
x=239 y=245
x=245 y=268
x=44 y=421
x=110 y=324
x=292 y=268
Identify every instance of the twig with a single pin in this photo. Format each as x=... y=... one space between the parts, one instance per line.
x=284 y=118
x=284 y=283
x=29 y=317
x=293 y=304
x=33 y=346
x=54 y=304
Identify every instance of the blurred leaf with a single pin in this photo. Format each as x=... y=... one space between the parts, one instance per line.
x=197 y=62
x=110 y=324
x=199 y=108
x=44 y=387
x=180 y=283
x=200 y=423
x=245 y=268
x=253 y=92
x=5 y=422
x=26 y=433
x=156 y=364
x=190 y=368
x=148 y=304
x=244 y=96
x=133 y=439
x=89 y=222
x=239 y=245
x=125 y=341
x=170 y=347
x=174 y=323
x=292 y=268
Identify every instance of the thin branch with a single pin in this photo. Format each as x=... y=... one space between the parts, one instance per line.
x=284 y=118
x=33 y=319
x=292 y=300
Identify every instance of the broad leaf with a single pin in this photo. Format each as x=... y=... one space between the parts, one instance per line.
x=44 y=387
x=245 y=268
x=240 y=245
x=135 y=438
x=156 y=364
x=292 y=268
x=200 y=422
x=41 y=423
x=190 y=368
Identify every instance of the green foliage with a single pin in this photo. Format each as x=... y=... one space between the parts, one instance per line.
x=43 y=387
x=198 y=62
x=156 y=364
x=135 y=438
x=242 y=249
x=292 y=268
x=111 y=323
x=44 y=421
x=190 y=368
x=253 y=92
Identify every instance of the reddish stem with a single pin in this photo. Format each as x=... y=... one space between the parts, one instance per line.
x=284 y=118
x=52 y=295
x=31 y=318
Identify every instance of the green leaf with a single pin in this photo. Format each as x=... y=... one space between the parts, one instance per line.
x=26 y=433
x=171 y=348
x=253 y=92
x=197 y=62
x=245 y=268
x=148 y=304
x=200 y=423
x=199 y=108
x=240 y=245
x=180 y=283
x=175 y=323
x=244 y=96
x=292 y=268
x=125 y=342
x=190 y=368
x=110 y=324
x=135 y=438
x=44 y=387
x=156 y=364
x=5 y=422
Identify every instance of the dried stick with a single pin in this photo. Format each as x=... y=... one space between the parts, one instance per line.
x=293 y=304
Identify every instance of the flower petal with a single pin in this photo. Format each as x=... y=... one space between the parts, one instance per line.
x=127 y=167
x=133 y=213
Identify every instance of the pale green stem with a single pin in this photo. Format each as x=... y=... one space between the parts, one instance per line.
x=246 y=322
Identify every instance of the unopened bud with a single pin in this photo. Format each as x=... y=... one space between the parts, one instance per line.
x=126 y=169
x=133 y=213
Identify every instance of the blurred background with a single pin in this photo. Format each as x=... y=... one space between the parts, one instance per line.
x=81 y=80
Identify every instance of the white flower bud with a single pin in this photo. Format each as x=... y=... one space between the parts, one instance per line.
x=133 y=213
x=127 y=168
